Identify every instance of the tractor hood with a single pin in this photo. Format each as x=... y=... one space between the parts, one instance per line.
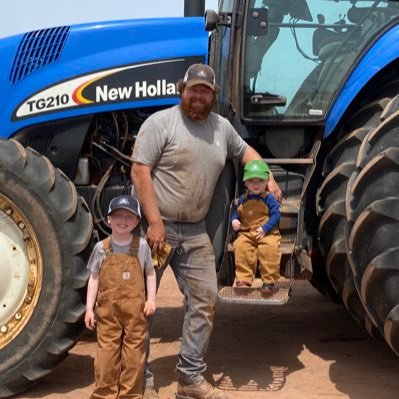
x=70 y=71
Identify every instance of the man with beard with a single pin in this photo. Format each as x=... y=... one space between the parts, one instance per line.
x=177 y=158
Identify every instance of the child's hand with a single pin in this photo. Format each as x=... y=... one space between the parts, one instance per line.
x=236 y=224
x=149 y=307
x=260 y=233
x=90 y=319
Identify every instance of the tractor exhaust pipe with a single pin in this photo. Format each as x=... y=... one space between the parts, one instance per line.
x=194 y=8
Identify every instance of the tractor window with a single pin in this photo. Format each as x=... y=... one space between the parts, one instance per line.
x=226 y=6
x=297 y=54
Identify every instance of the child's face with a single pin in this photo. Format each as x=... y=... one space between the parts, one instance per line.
x=256 y=186
x=122 y=221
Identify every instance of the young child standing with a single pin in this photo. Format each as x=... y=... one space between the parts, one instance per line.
x=118 y=265
x=255 y=220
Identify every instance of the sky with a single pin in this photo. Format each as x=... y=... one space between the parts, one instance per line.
x=25 y=15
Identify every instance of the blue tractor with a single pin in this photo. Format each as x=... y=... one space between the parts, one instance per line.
x=73 y=98
x=312 y=85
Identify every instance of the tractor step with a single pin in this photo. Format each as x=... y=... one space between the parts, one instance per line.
x=254 y=295
x=290 y=206
x=289 y=161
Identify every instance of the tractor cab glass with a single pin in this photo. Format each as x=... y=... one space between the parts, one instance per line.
x=298 y=54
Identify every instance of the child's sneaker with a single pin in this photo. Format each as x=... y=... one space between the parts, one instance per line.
x=267 y=287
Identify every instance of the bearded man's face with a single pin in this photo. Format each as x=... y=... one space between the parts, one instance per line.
x=197 y=102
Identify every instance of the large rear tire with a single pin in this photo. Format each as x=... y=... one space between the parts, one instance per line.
x=45 y=235
x=339 y=165
x=373 y=223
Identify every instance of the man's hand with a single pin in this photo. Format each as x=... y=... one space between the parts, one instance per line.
x=156 y=236
x=274 y=189
x=236 y=225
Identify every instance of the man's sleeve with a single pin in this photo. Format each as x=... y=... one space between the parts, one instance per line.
x=236 y=146
x=149 y=143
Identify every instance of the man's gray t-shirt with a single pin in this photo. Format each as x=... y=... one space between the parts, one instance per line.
x=97 y=256
x=186 y=158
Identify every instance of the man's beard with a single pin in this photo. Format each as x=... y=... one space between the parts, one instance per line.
x=197 y=112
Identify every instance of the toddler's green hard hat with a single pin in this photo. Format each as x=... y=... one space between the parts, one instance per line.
x=256 y=169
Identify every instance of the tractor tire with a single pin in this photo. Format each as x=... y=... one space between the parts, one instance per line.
x=45 y=237
x=338 y=166
x=373 y=224
x=217 y=219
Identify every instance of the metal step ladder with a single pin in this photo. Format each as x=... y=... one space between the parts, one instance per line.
x=254 y=295
x=290 y=208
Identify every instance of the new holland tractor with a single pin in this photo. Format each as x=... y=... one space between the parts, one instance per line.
x=73 y=98
x=312 y=85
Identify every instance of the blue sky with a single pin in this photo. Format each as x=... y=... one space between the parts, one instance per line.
x=24 y=15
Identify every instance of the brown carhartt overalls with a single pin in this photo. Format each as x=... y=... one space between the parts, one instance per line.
x=254 y=213
x=122 y=325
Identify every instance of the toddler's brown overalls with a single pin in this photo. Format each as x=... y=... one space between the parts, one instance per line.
x=122 y=325
x=254 y=213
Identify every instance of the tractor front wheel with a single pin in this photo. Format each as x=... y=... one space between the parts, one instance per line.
x=45 y=235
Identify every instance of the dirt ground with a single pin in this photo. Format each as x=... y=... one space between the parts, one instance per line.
x=307 y=349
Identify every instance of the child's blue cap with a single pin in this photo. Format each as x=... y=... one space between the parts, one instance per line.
x=125 y=202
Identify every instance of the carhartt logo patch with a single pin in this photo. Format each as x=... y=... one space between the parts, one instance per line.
x=126 y=276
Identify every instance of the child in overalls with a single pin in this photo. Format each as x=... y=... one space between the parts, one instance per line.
x=118 y=265
x=255 y=220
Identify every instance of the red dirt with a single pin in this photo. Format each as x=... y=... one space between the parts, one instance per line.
x=310 y=348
